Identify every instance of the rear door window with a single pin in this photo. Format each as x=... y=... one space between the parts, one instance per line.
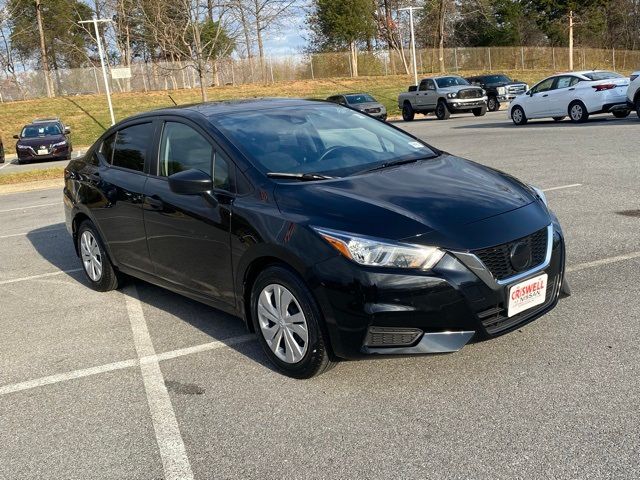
x=131 y=146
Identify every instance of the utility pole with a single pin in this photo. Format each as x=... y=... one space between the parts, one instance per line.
x=95 y=22
x=413 y=41
x=571 y=40
x=43 y=51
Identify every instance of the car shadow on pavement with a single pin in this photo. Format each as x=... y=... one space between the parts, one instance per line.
x=600 y=121
x=54 y=244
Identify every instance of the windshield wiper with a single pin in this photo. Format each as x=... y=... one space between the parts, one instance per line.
x=394 y=163
x=303 y=177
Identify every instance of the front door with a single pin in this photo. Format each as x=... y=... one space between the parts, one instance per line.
x=538 y=104
x=189 y=235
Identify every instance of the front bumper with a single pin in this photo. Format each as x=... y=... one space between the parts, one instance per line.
x=445 y=307
x=60 y=153
x=505 y=98
x=457 y=105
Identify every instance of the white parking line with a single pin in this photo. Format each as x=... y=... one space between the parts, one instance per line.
x=6 y=164
x=30 y=206
x=36 y=277
x=573 y=185
x=603 y=261
x=172 y=450
x=23 y=234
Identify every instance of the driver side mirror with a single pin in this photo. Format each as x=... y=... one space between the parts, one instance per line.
x=529 y=92
x=190 y=182
x=17 y=137
x=67 y=130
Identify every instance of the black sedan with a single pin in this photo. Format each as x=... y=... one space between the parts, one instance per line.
x=43 y=140
x=333 y=235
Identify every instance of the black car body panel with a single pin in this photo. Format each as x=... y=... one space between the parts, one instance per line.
x=210 y=247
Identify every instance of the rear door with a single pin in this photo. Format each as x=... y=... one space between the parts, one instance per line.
x=189 y=235
x=118 y=192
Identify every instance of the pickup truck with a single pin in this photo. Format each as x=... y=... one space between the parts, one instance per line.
x=444 y=96
x=499 y=88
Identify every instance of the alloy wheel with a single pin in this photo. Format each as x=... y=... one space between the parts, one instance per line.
x=91 y=256
x=517 y=115
x=283 y=324
x=577 y=112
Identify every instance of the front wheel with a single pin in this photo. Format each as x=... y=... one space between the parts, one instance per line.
x=578 y=112
x=442 y=111
x=518 y=116
x=493 y=105
x=95 y=261
x=288 y=322
x=637 y=105
x=407 y=112
x=621 y=113
x=480 y=112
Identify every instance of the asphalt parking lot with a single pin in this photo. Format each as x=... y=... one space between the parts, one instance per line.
x=144 y=384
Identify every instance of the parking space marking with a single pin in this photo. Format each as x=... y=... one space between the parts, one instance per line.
x=603 y=261
x=561 y=187
x=30 y=206
x=36 y=277
x=5 y=165
x=23 y=234
x=63 y=377
x=170 y=443
x=204 y=347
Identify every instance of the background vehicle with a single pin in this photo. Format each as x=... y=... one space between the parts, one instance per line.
x=1 y=151
x=499 y=87
x=633 y=93
x=43 y=140
x=444 y=96
x=363 y=102
x=333 y=234
x=576 y=94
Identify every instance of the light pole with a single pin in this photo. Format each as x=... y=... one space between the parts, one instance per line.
x=413 y=41
x=95 y=22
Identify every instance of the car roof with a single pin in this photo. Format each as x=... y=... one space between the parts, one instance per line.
x=442 y=76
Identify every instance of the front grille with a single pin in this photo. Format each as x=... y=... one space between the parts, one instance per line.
x=391 y=337
x=495 y=320
x=470 y=93
x=497 y=260
x=516 y=89
x=372 y=110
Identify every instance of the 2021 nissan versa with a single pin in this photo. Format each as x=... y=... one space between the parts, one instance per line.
x=332 y=234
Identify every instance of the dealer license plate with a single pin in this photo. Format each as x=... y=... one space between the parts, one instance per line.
x=43 y=151
x=527 y=294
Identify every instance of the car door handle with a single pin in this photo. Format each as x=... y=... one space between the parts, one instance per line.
x=572 y=89
x=545 y=95
x=154 y=203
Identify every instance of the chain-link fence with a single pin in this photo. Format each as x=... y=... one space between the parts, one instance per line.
x=181 y=75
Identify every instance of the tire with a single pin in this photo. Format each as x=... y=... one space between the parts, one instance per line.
x=480 y=112
x=637 y=104
x=621 y=113
x=578 y=112
x=442 y=111
x=518 y=116
x=307 y=357
x=492 y=104
x=558 y=119
x=96 y=264
x=408 y=114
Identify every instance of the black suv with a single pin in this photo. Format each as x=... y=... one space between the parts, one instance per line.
x=43 y=139
x=499 y=87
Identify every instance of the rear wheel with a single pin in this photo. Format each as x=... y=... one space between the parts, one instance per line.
x=578 y=112
x=518 y=116
x=442 y=111
x=558 y=119
x=407 y=112
x=637 y=105
x=621 y=113
x=288 y=322
x=480 y=112
x=492 y=104
x=95 y=261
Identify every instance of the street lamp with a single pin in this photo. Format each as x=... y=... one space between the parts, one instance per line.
x=95 y=22
x=413 y=41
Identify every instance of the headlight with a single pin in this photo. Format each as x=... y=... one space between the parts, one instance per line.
x=502 y=90
x=59 y=144
x=375 y=252
x=452 y=95
x=540 y=194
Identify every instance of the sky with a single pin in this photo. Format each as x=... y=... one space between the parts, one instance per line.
x=289 y=39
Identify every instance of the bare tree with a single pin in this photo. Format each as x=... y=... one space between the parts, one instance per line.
x=388 y=26
x=44 y=59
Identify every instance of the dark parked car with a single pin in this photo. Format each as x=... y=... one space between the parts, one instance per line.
x=1 y=151
x=332 y=234
x=362 y=102
x=500 y=89
x=43 y=140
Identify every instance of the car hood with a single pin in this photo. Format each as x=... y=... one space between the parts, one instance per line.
x=435 y=199
x=457 y=88
x=504 y=84
x=36 y=142
x=363 y=106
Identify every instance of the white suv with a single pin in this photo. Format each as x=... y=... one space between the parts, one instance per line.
x=633 y=93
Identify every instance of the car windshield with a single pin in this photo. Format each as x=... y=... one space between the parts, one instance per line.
x=497 y=79
x=602 y=75
x=445 y=82
x=359 y=98
x=317 y=138
x=43 y=130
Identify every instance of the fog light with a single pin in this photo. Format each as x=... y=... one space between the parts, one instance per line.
x=391 y=336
